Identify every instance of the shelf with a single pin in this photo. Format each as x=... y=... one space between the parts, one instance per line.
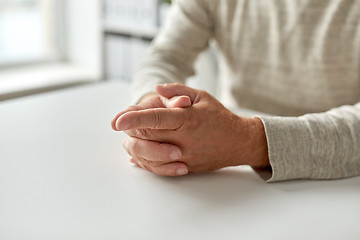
x=19 y=82
x=142 y=32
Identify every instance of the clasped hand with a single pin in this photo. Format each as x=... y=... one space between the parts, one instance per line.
x=178 y=130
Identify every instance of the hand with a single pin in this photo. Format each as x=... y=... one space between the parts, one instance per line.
x=209 y=136
x=159 y=153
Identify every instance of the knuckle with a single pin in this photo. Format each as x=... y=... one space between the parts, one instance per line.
x=141 y=133
x=157 y=119
x=192 y=121
x=202 y=92
x=183 y=116
x=145 y=134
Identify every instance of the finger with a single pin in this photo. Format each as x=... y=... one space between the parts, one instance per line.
x=142 y=161
x=152 y=150
x=177 y=102
x=130 y=108
x=162 y=136
x=158 y=118
x=170 y=169
x=175 y=89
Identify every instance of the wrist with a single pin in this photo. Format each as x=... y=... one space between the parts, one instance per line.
x=257 y=148
x=261 y=155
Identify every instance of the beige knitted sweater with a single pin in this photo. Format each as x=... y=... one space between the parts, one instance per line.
x=296 y=59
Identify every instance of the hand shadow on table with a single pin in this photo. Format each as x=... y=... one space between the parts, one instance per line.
x=227 y=187
x=230 y=187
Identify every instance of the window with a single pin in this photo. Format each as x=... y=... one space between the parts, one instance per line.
x=30 y=31
x=48 y=44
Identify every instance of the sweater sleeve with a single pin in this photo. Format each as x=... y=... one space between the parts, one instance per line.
x=173 y=52
x=317 y=146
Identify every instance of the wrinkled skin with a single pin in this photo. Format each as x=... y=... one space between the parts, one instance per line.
x=179 y=130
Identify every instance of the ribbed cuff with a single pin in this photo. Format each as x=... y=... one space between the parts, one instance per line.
x=288 y=147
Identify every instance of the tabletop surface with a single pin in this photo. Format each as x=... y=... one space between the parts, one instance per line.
x=64 y=175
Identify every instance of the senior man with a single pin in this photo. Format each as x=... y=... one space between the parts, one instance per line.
x=298 y=60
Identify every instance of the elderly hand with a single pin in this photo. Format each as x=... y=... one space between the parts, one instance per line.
x=208 y=136
x=159 y=153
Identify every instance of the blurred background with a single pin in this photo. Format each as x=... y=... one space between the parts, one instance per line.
x=53 y=44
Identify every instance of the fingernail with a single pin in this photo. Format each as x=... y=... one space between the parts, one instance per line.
x=181 y=171
x=122 y=125
x=175 y=155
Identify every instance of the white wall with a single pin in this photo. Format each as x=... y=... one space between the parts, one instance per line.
x=206 y=68
x=83 y=34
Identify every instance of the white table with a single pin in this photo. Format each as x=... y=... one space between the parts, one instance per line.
x=64 y=175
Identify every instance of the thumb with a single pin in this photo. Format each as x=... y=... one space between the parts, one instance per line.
x=177 y=102
x=176 y=89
